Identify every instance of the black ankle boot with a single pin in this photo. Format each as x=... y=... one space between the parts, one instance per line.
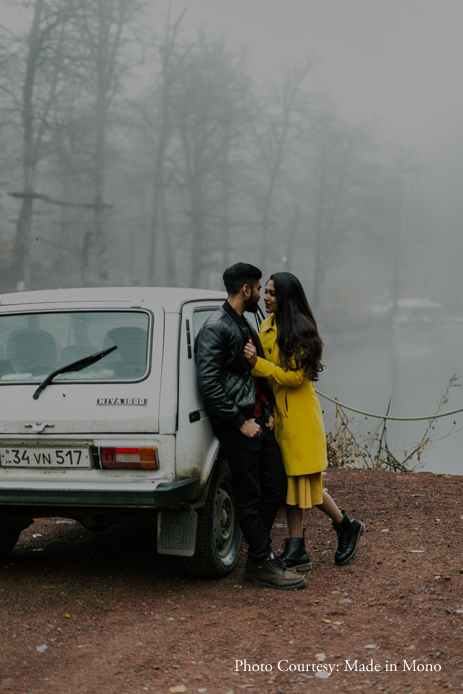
x=349 y=532
x=294 y=555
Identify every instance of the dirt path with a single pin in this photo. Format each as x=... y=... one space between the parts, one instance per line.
x=103 y=613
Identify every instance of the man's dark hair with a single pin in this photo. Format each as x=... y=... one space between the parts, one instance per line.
x=236 y=276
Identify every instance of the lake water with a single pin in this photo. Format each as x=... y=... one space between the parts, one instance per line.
x=411 y=364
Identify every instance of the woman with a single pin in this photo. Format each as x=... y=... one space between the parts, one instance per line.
x=293 y=349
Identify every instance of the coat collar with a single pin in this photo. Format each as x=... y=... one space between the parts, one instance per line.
x=240 y=321
x=268 y=324
x=244 y=325
x=230 y=311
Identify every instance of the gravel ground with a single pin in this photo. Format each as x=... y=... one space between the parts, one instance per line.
x=103 y=613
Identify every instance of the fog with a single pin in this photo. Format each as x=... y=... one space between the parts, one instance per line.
x=397 y=63
x=156 y=143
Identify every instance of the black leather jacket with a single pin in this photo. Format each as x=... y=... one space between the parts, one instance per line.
x=224 y=375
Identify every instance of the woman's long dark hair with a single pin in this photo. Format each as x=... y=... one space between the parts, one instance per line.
x=297 y=334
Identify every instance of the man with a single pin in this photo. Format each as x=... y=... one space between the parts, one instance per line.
x=240 y=411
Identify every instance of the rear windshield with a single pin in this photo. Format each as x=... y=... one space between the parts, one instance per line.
x=33 y=345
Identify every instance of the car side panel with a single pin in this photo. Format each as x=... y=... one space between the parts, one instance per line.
x=197 y=447
x=169 y=375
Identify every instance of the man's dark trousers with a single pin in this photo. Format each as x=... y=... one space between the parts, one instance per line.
x=258 y=480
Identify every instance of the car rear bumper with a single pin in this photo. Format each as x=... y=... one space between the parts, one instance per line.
x=165 y=495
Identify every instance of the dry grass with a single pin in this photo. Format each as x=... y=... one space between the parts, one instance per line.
x=349 y=445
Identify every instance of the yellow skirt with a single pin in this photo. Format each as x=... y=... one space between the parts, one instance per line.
x=305 y=491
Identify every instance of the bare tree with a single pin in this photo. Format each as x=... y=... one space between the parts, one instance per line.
x=40 y=64
x=276 y=124
x=105 y=28
x=343 y=183
x=159 y=118
x=208 y=109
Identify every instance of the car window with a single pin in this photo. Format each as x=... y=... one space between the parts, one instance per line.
x=200 y=316
x=32 y=345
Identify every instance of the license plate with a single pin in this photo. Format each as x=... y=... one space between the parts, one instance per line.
x=45 y=458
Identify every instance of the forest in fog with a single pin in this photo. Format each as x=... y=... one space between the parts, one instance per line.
x=140 y=152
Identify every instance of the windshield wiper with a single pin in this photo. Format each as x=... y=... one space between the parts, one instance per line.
x=75 y=366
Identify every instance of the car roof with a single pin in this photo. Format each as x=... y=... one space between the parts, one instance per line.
x=170 y=298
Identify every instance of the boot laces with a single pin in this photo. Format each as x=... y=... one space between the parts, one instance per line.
x=277 y=564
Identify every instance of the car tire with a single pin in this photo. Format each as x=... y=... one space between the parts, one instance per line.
x=8 y=537
x=218 y=536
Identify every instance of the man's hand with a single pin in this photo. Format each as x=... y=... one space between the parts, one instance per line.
x=250 y=429
x=271 y=422
x=250 y=352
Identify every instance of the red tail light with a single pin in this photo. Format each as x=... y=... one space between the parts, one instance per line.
x=143 y=458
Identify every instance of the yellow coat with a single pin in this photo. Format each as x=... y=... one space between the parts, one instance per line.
x=299 y=427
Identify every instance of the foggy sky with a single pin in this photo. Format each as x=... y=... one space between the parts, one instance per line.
x=395 y=62
x=398 y=62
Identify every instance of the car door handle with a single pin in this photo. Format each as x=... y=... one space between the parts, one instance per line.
x=194 y=416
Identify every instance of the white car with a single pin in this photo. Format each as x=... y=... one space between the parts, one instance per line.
x=101 y=419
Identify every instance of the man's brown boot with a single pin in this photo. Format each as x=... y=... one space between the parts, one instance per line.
x=270 y=573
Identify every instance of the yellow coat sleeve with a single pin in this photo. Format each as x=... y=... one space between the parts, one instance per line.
x=267 y=369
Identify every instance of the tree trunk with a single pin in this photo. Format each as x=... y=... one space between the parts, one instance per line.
x=171 y=270
x=292 y=235
x=20 y=261
x=197 y=219
x=319 y=219
x=158 y=183
x=267 y=207
x=100 y=147
x=226 y=196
